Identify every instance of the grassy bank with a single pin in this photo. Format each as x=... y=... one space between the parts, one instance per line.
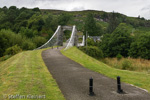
x=139 y=65
x=136 y=78
x=26 y=74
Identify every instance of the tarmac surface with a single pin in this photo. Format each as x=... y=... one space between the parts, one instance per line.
x=73 y=80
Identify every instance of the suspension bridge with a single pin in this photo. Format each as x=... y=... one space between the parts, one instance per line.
x=57 y=38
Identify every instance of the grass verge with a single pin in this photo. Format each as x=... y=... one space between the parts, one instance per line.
x=25 y=74
x=139 y=65
x=136 y=78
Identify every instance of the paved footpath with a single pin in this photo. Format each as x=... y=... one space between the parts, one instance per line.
x=73 y=80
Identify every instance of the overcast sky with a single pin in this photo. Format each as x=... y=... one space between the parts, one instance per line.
x=128 y=7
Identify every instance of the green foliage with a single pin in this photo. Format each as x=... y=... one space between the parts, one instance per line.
x=91 y=27
x=36 y=22
x=140 y=47
x=28 y=45
x=113 y=22
x=119 y=56
x=105 y=45
x=13 y=50
x=27 y=24
x=92 y=51
x=5 y=57
x=39 y=41
x=67 y=34
x=36 y=9
x=100 y=29
x=118 y=42
x=137 y=22
x=8 y=39
x=2 y=17
x=91 y=42
x=27 y=32
x=63 y=19
x=50 y=26
x=126 y=64
x=13 y=12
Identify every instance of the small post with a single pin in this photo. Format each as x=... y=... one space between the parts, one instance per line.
x=57 y=46
x=52 y=46
x=91 y=93
x=119 y=90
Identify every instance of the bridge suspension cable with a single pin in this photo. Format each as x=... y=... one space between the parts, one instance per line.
x=52 y=41
x=72 y=38
x=57 y=39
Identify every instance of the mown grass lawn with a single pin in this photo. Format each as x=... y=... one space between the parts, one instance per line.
x=26 y=74
x=136 y=78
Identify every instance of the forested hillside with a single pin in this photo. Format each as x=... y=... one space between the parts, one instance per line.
x=26 y=29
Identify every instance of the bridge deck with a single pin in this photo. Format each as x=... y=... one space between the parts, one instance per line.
x=73 y=80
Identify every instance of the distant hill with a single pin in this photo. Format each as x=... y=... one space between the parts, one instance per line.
x=101 y=17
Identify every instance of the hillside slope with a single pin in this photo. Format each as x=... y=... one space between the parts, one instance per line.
x=102 y=18
x=26 y=74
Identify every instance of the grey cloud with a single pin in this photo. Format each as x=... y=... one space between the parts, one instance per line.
x=78 y=9
x=127 y=7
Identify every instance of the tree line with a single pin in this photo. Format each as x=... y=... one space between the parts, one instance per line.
x=119 y=38
x=26 y=29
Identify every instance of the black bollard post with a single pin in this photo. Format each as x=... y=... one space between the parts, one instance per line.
x=119 y=90
x=91 y=93
x=57 y=46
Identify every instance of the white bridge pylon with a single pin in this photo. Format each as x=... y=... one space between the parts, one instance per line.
x=57 y=38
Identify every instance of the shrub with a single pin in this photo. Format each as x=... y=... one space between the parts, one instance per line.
x=9 y=39
x=126 y=64
x=92 y=51
x=39 y=40
x=5 y=57
x=119 y=56
x=28 y=45
x=13 y=50
x=91 y=42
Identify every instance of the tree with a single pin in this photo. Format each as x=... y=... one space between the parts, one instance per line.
x=2 y=19
x=27 y=32
x=90 y=25
x=38 y=41
x=8 y=39
x=48 y=21
x=140 y=47
x=13 y=50
x=105 y=45
x=36 y=9
x=4 y=43
x=113 y=22
x=12 y=14
x=63 y=19
x=5 y=9
x=118 y=42
x=100 y=30
x=36 y=22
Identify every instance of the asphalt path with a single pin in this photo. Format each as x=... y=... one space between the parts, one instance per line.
x=73 y=80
